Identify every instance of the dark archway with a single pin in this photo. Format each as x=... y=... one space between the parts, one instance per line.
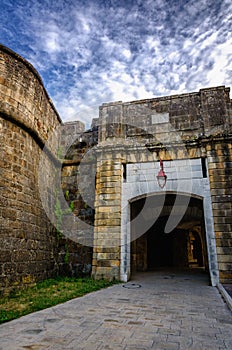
x=167 y=250
x=183 y=247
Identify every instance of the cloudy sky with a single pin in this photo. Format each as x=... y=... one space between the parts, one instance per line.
x=93 y=51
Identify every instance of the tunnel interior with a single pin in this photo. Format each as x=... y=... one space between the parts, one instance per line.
x=183 y=247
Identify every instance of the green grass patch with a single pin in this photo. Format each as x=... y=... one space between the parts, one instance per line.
x=46 y=294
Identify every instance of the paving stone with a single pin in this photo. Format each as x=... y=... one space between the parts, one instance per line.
x=166 y=346
x=118 y=318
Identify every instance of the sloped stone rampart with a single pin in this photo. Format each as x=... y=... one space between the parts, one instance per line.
x=28 y=244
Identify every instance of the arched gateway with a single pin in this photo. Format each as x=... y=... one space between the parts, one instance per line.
x=188 y=242
x=168 y=227
x=140 y=224
x=184 y=246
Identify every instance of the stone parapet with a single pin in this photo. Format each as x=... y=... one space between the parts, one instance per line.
x=170 y=118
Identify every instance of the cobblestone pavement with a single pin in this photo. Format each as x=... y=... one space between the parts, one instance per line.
x=152 y=311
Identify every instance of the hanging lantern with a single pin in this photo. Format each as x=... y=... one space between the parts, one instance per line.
x=161 y=177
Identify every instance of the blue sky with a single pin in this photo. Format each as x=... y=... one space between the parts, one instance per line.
x=96 y=51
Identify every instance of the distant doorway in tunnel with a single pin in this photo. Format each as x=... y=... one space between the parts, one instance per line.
x=196 y=256
x=183 y=247
x=166 y=250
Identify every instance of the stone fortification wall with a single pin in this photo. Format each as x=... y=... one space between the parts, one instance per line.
x=27 y=119
x=170 y=118
x=190 y=126
x=78 y=185
x=23 y=97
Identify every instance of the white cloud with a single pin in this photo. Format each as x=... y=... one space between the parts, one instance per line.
x=222 y=64
x=52 y=42
x=127 y=53
x=93 y=52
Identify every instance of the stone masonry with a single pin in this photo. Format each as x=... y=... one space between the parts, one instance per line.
x=29 y=248
x=195 y=126
x=27 y=116
x=106 y=172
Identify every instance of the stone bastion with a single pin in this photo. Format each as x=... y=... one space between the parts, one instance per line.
x=29 y=246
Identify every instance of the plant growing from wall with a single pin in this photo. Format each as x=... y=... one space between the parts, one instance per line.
x=66 y=257
x=59 y=214
x=59 y=153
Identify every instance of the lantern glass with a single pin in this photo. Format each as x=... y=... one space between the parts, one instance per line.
x=161 y=180
x=161 y=177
